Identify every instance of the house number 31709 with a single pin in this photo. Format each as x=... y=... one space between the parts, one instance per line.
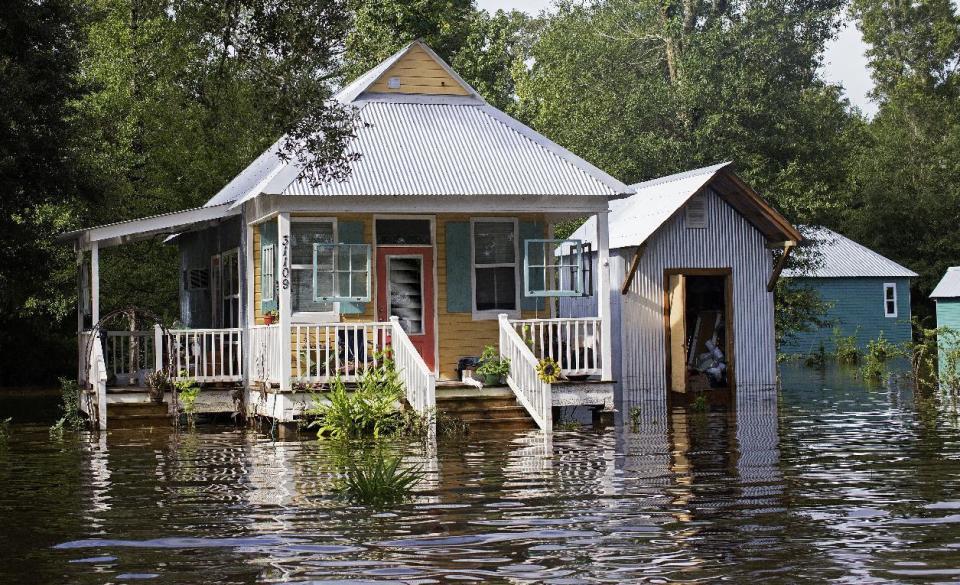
x=285 y=270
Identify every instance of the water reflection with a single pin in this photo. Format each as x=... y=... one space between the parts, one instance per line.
x=832 y=481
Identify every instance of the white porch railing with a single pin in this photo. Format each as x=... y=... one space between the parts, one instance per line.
x=128 y=353
x=420 y=383
x=206 y=355
x=321 y=352
x=264 y=353
x=534 y=394
x=573 y=343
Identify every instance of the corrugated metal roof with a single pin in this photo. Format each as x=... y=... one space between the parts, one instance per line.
x=841 y=257
x=949 y=285
x=453 y=147
x=432 y=145
x=636 y=218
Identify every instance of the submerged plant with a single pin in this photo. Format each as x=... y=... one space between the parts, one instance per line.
x=817 y=359
x=879 y=352
x=700 y=403
x=371 y=410
x=935 y=358
x=848 y=352
x=5 y=430
x=70 y=419
x=188 y=390
x=378 y=479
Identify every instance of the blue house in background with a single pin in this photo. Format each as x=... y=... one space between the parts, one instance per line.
x=947 y=296
x=868 y=294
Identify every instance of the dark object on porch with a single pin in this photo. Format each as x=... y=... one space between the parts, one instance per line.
x=470 y=363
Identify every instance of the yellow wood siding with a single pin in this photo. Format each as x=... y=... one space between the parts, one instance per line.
x=418 y=73
x=459 y=334
x=257 y=285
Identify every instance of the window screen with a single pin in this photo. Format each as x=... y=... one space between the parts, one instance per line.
x=495 y=266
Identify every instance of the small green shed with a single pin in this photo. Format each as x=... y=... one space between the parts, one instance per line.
x=947 y=296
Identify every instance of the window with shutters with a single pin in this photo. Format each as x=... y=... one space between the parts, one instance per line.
x=890 y=299
x=494 y=252
x=553 y=268
x=696 y=212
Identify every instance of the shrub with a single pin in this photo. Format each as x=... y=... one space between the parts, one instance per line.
x=378 y=479
x=188 y=390
x=372 y=409
x=848 y=352
x=70 y=419
x=935 y=357
x=879 y=352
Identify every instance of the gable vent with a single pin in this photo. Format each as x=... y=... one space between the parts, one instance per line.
x=393 y=83
x=696 y=211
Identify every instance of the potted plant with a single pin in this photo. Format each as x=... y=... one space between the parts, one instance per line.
x=269 y=317
x=493 y=369
x=157 y=385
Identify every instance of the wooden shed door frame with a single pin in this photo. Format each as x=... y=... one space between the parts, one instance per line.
x=728 y=319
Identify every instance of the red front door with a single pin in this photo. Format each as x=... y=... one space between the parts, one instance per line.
x=405 y=290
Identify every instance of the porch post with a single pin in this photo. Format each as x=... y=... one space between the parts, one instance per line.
x=94 y=283
x=283 y=237
x=603 y=297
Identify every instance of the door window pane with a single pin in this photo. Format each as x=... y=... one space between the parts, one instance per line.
x=403 y=232
x=405 y=298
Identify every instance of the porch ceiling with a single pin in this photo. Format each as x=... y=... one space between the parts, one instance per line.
x=145 y=228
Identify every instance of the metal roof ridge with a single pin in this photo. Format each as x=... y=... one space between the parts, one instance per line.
x=711 y=169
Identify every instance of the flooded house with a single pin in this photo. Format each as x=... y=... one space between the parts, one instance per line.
x=692 y=277
x=947 y=297
x=437 y=245
x=867 y=295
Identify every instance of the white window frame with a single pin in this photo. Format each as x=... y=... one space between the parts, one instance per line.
x=332 y=316
x=890 y=286
x=556 y=269
x=337 y=272
x=518 y=279
x=223 y=259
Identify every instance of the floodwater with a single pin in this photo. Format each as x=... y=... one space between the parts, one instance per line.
x=834 y=482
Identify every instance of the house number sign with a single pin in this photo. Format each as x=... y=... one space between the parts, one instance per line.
x=285 y=270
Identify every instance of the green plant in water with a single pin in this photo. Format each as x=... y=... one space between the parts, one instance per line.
x=935 y=357
x=848 y=352
x=188 y=390
x=378 y=479
x=70 y=418
x=700 y=403
x=493 y=368
x=371 y=410
x=879 y=352
x=5 y=430
x=817 y=359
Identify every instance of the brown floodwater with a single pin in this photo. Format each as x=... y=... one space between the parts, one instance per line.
x=833 y=482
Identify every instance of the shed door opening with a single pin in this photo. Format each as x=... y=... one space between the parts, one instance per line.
x=699 y=332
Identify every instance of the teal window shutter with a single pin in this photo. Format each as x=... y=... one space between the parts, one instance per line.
x=268 y=246
x=530 y=231
x=351 y=232
x=459 y=294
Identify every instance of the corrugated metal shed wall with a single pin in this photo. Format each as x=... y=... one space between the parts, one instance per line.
x=728 y=241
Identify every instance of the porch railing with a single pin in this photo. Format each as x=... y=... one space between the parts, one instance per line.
x=206 y=355
x=321 y=352
x=97 y=379
x=573 y=343
x=533 y=393
x=128 y=353
x=265 y=354
x=420 y=383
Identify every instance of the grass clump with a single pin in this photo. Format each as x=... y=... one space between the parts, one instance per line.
x=378 y=479
x=879 y=352
x=70 y=419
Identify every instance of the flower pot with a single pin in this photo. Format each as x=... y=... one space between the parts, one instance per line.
x=268 y=319
x=491 y=380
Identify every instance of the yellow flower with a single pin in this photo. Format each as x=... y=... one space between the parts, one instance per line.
x=548 y=370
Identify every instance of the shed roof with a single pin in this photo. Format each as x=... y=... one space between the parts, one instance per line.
x=634 y=219
x=841 y=257
x=949 y=285
x=441 y=144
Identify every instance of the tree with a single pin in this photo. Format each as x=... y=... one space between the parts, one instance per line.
x=39 y=51
x=905 y=176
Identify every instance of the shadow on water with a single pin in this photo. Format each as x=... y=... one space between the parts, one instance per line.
x=828 y=480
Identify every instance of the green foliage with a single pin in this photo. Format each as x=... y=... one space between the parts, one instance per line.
x=370 y=410
x=848 y=352
x=492 y=365
x=700 y=403
x=5 y=431
x=817 y=359
x=935 y=357
x=378 y=479
x=71 y=419
x=879 y=352
x=188 y=390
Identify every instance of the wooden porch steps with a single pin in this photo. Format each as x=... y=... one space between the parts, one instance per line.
x=487 y=409
x=129 y=415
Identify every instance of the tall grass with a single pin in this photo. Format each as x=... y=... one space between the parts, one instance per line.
x=378 y=479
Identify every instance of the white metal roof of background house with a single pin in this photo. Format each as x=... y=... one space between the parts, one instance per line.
x=634 y=219
x=432 y=145
x=949 y=285
x=841 y=257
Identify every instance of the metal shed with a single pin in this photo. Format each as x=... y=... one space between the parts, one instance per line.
x=703 y=234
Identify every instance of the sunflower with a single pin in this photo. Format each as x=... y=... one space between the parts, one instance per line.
x=548 y=370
